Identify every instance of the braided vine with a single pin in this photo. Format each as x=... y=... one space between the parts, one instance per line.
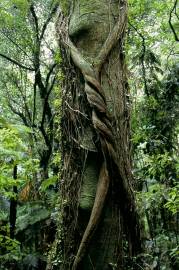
x=102 y=124
x=101 y=121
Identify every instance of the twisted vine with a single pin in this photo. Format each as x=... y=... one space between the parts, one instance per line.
x=101 y=121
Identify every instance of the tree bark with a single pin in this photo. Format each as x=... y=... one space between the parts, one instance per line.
x=13 y=206
x=98 y=207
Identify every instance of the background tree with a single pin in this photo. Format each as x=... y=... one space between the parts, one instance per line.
x=154 y=84
x=28 y=67
x=30 y=73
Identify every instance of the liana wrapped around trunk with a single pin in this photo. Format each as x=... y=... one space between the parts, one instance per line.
x=98 y=206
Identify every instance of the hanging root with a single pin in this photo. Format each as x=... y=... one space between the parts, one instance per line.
x=101 y=121
x=102 y=124
x=101 y=192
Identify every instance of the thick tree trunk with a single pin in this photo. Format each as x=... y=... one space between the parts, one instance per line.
x=98 y=206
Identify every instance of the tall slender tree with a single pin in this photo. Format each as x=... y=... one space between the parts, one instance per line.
x=30 y=73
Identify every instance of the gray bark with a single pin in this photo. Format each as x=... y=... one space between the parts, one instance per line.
x=97 y=213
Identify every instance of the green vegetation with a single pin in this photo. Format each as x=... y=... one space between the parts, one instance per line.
x=31 y=78
x=152 y=51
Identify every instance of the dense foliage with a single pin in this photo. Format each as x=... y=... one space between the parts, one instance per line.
x=154 y=80
x=28 y=131
x=30 y=106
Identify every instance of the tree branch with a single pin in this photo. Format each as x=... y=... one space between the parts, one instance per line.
x=15 y=62
x=48 y=20
x=46 y=107
x=44 y=134
x=34 y=104
x=16 y=44
x=20 y=114
x=170 y=21
x=12 y=78
x=32 y=10
x=49 y=74
x=142 y=58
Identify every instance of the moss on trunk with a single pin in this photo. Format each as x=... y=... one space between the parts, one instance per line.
x=90 y=24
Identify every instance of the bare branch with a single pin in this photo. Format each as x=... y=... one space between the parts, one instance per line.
x=48 y=20
x=45 y=136
x=16 y=44
x=34 y=103
x=32 y=10
x=142 y=57
x=46 y=107
x=49 y=74
x=20 y=114
x=170 y=21
x=24 y=98
x=16 y=62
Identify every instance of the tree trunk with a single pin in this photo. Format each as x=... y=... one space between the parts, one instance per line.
x=99 y=220
x=13 y=206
